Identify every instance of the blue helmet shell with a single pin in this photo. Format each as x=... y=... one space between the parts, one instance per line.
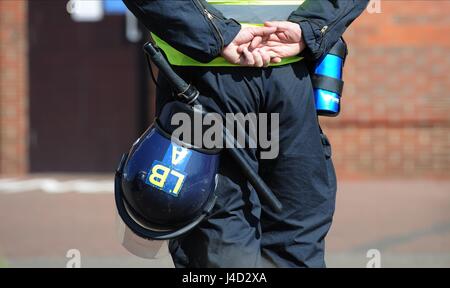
x=165 y=186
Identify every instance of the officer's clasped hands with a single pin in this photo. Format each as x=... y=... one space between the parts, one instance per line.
x=260 y=46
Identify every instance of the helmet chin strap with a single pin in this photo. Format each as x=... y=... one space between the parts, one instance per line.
x=139 y=229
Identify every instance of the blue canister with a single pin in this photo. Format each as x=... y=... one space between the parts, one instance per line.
x=327 y=80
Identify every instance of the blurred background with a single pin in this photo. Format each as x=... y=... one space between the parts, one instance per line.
x=75 y=93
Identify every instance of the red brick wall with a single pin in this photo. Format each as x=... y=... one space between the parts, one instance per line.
x=395 y=119
x=13 y=87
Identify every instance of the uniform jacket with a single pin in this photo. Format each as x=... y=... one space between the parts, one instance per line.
x=186 y=27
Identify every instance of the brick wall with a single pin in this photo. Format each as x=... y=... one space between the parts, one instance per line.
x=13 y=87
x=395 y=119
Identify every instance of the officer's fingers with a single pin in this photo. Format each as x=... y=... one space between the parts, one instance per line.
x=265 y=39
x=273 y=37
x=259 y=62
x=247 y=58
x=278 y=37
x=255 y=43
x=276 y=60
x=279 y=51
x=271 y=23
x=273 y=56
x=270 y=52
x=241 y=47
x=271 y=43
x=265 y=57
x=264 y=31
x=282 y=36
x=280 y=25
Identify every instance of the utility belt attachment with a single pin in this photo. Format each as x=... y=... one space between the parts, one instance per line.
x=185 y=92
x=327 y=80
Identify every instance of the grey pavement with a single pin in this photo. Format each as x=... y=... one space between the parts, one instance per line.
x=407 y=221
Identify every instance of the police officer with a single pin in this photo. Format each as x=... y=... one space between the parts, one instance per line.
x=208 y=43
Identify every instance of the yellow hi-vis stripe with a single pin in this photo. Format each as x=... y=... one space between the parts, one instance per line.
x=248 y=13
x=177 y=58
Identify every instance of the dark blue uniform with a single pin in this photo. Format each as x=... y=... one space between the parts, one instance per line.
x=242 y=231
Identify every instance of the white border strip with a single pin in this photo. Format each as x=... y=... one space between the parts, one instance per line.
x=54 y=186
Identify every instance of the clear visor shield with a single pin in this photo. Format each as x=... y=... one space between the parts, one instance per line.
x=143 y=248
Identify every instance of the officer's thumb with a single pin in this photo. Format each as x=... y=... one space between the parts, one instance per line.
x=263 y=31
x=282 y=25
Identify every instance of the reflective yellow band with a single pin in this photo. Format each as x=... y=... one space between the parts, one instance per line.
x=243 y=11
x=177 y=58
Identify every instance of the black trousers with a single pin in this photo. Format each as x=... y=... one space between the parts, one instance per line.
x=243 y=231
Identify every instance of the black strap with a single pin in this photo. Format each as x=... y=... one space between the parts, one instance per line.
x=328 y=83
x=149 y=63
x=339 y=49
